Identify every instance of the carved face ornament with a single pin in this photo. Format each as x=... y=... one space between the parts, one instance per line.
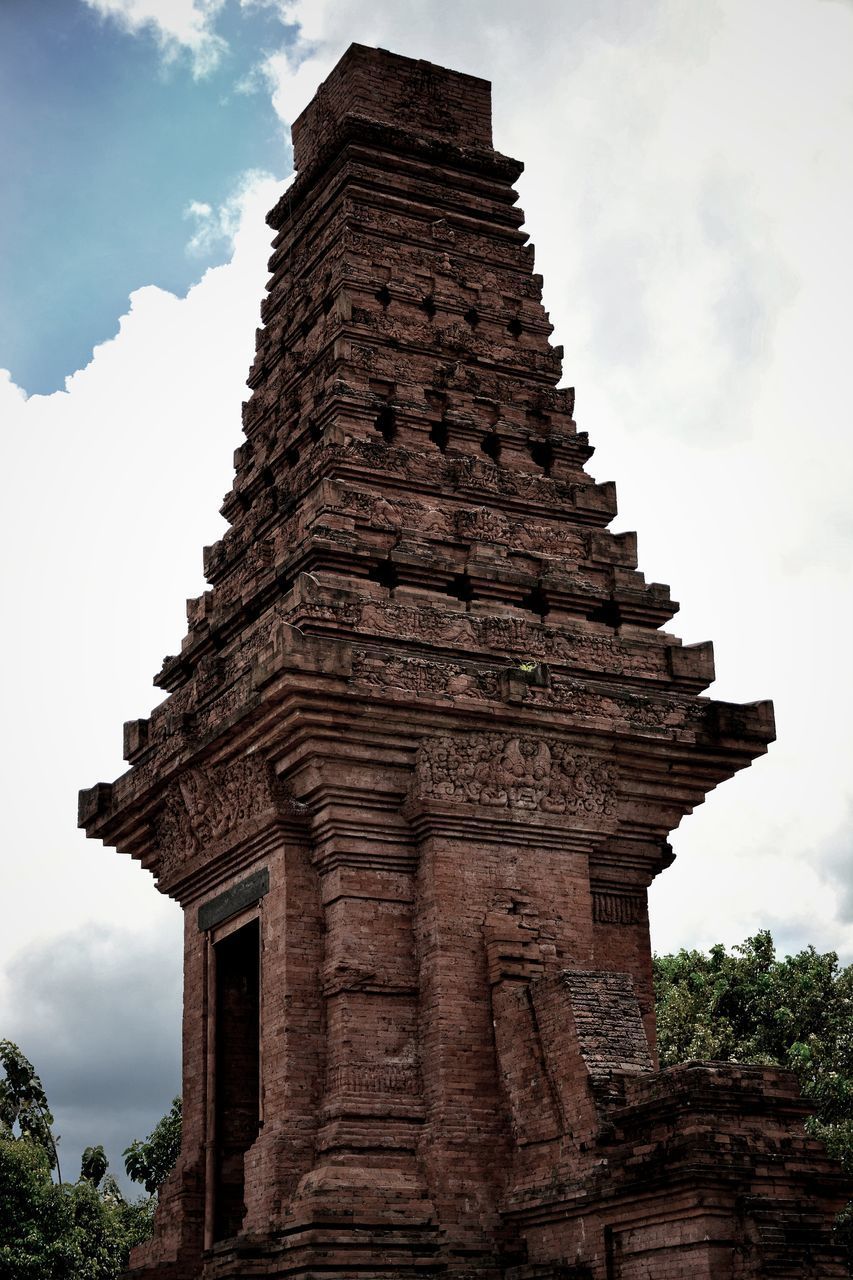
x=525 y=769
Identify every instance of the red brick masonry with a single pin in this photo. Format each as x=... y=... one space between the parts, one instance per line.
x=420 y=755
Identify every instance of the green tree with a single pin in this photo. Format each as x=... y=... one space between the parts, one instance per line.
x=56 y=1230
x=746 y=1005
x=151 y=1160
x=61 y=1231
x=23 y=1105
x=34 y=1216
x=93 y=1165
x=104 y=1229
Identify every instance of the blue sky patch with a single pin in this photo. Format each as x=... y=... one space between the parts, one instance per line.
x=104 y=147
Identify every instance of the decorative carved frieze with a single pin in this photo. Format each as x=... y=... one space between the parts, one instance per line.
x=515 y=773
x=381 y=513
x=207 y=808
x=371 y=1077
x=601 y=653
x=618 y=908
x=418 y=675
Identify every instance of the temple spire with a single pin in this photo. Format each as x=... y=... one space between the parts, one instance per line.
x=423 y=746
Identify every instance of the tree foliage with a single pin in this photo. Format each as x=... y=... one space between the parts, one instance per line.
x=94 y=1165
x=746 y=1005
x=34 y=1218
x=151 y=1160
x=54 y=1230
x=61 y=1231
x=23 y=1105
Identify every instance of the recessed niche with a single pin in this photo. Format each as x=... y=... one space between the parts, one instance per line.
x=491 y=446
x=439 y=434
x=537 y=601
x=609 y=613
x=461 y=587
x=385 y=574
x=386 y=422
x=542 y=453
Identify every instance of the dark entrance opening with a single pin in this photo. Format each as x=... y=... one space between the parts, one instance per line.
x=237 y=1071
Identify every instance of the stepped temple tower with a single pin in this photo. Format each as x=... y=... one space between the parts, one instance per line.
x=419 y=757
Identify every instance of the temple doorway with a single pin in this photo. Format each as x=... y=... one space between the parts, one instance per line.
x=237 y=1071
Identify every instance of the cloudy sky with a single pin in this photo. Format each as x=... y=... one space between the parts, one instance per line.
x=689 y=189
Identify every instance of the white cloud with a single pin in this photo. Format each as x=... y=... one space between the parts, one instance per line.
x=176 y=24
x=217 y=226
x=11 y=395
x=198 y=209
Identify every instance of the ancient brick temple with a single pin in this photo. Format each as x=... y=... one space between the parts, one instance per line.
x=420 y=755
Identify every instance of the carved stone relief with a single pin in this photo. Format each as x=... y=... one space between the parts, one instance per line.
x=515 y=773
x=618 y=908
x=600 y=653
x=370 y=1077
x=417 y=675
x=204 y=807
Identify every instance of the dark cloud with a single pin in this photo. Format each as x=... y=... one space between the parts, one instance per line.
x=97 y=1011
x=835 y=858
